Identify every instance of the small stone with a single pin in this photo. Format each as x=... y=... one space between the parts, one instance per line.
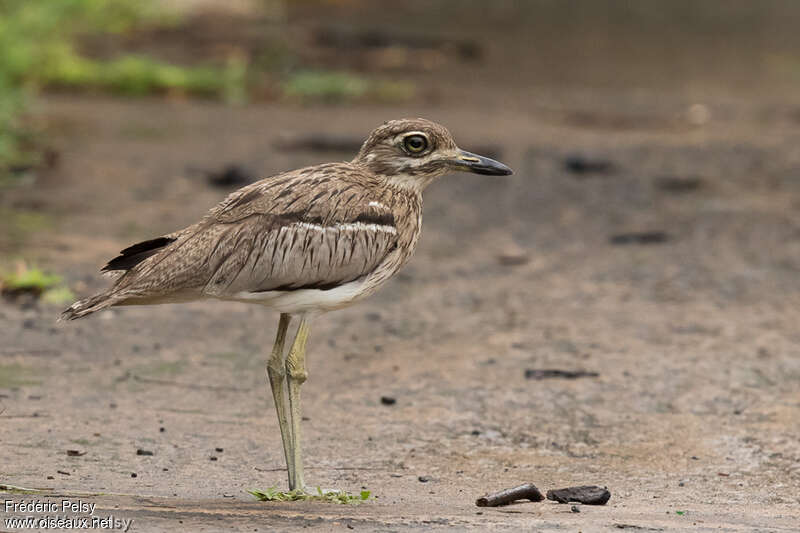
x=698 y=114
x=143 y=452
x=424 y=479
x=220 y=450
x=575 y=509
x=588 y=494
x=133 y=474
x=388 y=400
x=212 y=458
x=513 y=257
x=75 y=453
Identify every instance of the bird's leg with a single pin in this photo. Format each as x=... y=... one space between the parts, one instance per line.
x=295 y=376
x=276 y=371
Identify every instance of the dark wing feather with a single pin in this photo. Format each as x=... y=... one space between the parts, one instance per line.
x=133 y=255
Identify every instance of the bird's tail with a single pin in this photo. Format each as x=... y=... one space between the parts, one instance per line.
x=89 y=305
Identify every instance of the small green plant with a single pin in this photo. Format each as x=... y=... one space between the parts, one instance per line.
x=332 y=496
x=30 y=279
x=35 y=281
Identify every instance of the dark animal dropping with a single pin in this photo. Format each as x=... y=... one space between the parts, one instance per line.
x=551 y=373
x=645 y=237
x=677 y=185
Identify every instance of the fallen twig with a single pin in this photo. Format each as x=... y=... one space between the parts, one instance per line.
x=528 y=491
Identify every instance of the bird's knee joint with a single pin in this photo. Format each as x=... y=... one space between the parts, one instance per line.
x=276 y=369
x=296 y=372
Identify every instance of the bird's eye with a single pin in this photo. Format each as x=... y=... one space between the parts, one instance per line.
x=415 y=144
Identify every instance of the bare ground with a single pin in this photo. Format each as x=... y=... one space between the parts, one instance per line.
x=692 y=421
x=694 y=339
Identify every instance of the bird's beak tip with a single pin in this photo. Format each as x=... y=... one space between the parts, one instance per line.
x=478 y=164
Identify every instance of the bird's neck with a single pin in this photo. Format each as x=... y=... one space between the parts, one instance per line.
x=408 y=182
x=392 y=175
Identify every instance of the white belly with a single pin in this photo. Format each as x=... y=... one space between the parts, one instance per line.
x=306 y=300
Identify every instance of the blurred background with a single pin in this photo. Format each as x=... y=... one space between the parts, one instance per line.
x=649 y=239
x=123 y=106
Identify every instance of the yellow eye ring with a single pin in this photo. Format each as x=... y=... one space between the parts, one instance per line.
x=415 y=144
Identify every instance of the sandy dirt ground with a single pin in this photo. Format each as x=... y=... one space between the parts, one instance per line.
x=671 y=272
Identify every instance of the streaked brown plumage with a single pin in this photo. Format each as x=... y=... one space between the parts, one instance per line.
x=301 y=242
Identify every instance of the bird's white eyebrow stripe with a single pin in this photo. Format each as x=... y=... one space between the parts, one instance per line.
x=376 y=204
x=347 y=226
x=400 y=136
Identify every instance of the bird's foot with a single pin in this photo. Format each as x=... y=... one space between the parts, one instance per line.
x=312 y=494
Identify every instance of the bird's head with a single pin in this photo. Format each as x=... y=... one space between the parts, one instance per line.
x=412 y=153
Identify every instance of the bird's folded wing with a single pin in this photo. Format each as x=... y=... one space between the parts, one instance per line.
x=263 y=238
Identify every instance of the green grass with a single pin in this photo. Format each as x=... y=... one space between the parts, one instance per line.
x=34 y=35
x=33 y=280
x=38 y=49
x=336 y=87
x=138 y=76
x=274 y=495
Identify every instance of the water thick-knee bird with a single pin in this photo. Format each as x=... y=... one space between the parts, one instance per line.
x=302 y=242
